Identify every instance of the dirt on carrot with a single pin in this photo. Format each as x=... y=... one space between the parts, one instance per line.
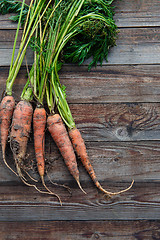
x=61 y=138
x=20 y=131
x=6 y=111
x=39 y=124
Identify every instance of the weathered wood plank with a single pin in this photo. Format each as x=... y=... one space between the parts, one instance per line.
x=51 y=213
x=127 y=14
x=137 y=13
x=7 y=38
x=21 y=203
x=119 y=138
x=134 y=46
x=107 y=84
x=77 y=230
x=144 y=192
x=118 y=122
x=111 y=161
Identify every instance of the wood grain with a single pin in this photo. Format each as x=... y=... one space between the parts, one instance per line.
x=116 y=107
x=111 y=161
x=21 y=203
x=78 y=230
x=127 y=14
x=137 y=13
x=118 y=122
x=134 y=46
x=107 y=84
x=119 y=83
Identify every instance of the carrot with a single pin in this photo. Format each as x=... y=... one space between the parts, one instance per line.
x=61 y=138
x=80 y=148
x=20 y=130
x=6 y=111
x=39 y=123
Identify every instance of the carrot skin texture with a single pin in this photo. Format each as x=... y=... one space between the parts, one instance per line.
x=61 y=138
x=6 y=111
x=39 y=123
x=80 y=148
x=20 y=130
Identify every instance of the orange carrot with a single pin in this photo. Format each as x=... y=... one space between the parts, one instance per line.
x=39 y=123
x=80 y=148
x=20 y=130
x=6 y=111
x=61 y=138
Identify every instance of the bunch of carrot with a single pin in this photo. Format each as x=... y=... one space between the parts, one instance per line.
x=56 y=26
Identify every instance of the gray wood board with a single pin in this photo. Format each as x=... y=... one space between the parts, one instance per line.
x=118 y=122
x=127 y=14
x=107 y=84
x=134 y=46
x=21 y=203
x=137 y=13
x=115 y=161
x=79 y=230
x=116 y=107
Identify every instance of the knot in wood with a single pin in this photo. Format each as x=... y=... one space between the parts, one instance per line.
x=122 y=133
x=96 y=235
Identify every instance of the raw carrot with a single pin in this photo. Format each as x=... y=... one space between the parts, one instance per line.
x=39 y=123
x=6 y=111
x=61 y=138
x=80 y=148
x=20 y=130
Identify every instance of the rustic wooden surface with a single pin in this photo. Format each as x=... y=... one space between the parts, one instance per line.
x=79 y=230
x=117 y=109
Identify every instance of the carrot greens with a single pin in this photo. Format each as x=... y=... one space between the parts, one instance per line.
x=34 y=14
x=58 y=32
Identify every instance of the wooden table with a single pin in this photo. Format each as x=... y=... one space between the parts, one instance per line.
x=117 y=109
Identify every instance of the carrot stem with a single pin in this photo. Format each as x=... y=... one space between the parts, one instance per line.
x=24 y=43
x=17 y=31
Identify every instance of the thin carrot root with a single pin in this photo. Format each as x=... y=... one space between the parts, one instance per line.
x=5 y=162
x=43 y=182
x=40 y=191
x=49 y=191
x=80 y=187
x=33 y=179
x=61 y=138
x=6 y=111
x=19 y=171
x=80 y=148
x=57 y=184
x=23 y=179
x=114 y=193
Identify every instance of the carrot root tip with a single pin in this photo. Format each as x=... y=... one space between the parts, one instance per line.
x=33 y=179
x=116 y=193
x=56 y=184
x=43 y=182
x=78 y=182
x=5 y=162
